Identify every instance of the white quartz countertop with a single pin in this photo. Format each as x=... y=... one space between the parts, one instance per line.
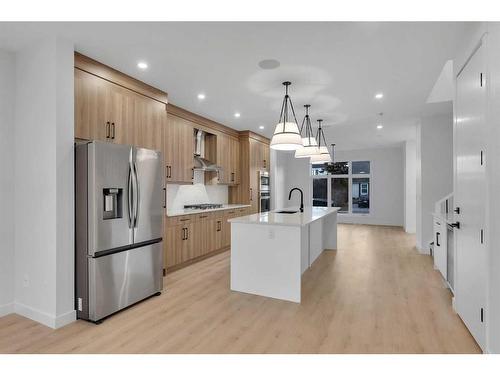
x=197 y=211
x=309 y=215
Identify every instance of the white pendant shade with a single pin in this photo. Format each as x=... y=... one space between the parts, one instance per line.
x=322 y=157
x=286 y=138
x=310 y=148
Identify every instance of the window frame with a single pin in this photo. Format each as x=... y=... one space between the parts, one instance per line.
x=350 y=176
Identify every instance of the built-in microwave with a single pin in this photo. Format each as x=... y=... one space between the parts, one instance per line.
x=264 y=181
x=264 y=192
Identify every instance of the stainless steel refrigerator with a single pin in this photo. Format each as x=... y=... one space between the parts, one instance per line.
x=119 y=207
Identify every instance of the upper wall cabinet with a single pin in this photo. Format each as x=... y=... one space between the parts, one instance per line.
x=179 y=150
x=108 y=112
x=113 y=107
x=228 y=157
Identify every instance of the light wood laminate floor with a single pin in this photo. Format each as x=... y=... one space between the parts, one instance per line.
x=375 y=294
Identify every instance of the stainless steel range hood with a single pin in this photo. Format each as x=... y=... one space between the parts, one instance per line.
x=200 y=163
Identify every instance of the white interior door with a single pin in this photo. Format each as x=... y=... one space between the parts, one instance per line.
x=470 y=190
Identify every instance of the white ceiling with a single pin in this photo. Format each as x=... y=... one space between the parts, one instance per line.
x=337 y=67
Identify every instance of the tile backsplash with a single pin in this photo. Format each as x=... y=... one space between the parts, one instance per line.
x=180 y=195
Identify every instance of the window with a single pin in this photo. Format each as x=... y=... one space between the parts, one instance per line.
x=343 y=184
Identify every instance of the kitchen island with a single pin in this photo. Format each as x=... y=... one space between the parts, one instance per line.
x=270 y=251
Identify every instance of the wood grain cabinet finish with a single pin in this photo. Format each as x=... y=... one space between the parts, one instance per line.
x=109 y=112
x=228 y=157
x=254 y=157
x=193 y=237
x=179 y=150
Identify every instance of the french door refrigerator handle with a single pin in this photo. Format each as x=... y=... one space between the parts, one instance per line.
x=130 y=196
x=136 y=195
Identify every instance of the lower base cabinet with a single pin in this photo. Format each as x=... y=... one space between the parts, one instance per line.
x=195 y=236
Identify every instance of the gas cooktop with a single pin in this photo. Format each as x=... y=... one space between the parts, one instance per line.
x=203 y=206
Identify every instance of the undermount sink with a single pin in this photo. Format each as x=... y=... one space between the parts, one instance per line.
x=286 y=212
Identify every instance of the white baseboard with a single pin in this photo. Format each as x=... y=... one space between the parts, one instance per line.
x=6 y=309
x=44 y=318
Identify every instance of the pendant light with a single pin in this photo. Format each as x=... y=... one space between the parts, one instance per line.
x=310 y=145
x=286 y=135
x=323 y=155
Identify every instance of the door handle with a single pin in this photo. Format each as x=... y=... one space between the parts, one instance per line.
x=129 y=196
x=251 y=194
x=457 y=210
x=437 y=239
x=112 y=130
x=164 y=197
x=136 y=195
x=183 y=234
x=107 y=129
x=455 y=224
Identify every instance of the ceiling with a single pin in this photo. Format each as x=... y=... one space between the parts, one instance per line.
x=337 y=67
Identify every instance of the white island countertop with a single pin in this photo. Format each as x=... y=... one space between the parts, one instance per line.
x=197 y=211
x=297 y=219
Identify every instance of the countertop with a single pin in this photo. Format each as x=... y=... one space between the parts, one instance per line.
x=192 y=212
x=298 y=219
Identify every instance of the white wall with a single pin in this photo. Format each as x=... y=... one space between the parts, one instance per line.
x=386 y=185
x=44 y=198
x=434 y=171
x=7 y=90
x=410 y=194
x=288 y=172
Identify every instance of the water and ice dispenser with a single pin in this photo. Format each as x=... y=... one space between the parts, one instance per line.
x=113 y=203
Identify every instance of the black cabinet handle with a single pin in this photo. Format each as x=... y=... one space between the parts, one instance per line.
x=164 y=197
x=437 y=239
x=457 y=210
x=107 y=129
x=251 y=194
x=112 y=130
x=455 y=225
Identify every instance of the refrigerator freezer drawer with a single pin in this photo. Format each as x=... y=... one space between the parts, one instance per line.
x=122 y=279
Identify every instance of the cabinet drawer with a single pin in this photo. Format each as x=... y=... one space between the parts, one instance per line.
x=179 y=220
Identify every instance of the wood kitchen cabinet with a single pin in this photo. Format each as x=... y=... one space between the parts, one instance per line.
x=196 y=236
x=254 y=157
x=228 y=158
x=108 y=112
x=179 y=150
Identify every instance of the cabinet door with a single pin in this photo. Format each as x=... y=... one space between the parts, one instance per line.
x=226 y=228
x=188 y=235
x=179 y=150
x=255 y=163
x=224 y=159
x=150 y=123
x=173 y=243
x=120 y=114
x=266 y=153
x=234 y=147
x=201 y=238
x=90 y=107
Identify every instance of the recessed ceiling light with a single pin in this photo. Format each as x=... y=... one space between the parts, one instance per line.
x=142 y=65
x=379 y=95
x=201 y=96
x=380 y=126
x=269 y=64
x=261 y=127
x=237 y=114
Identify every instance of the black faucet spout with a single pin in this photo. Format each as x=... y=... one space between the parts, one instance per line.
x=301 y=197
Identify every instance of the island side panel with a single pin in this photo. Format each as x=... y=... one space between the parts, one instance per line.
x=316 y=241
x=304 y=248
x=265 y=260
x=330 y=232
